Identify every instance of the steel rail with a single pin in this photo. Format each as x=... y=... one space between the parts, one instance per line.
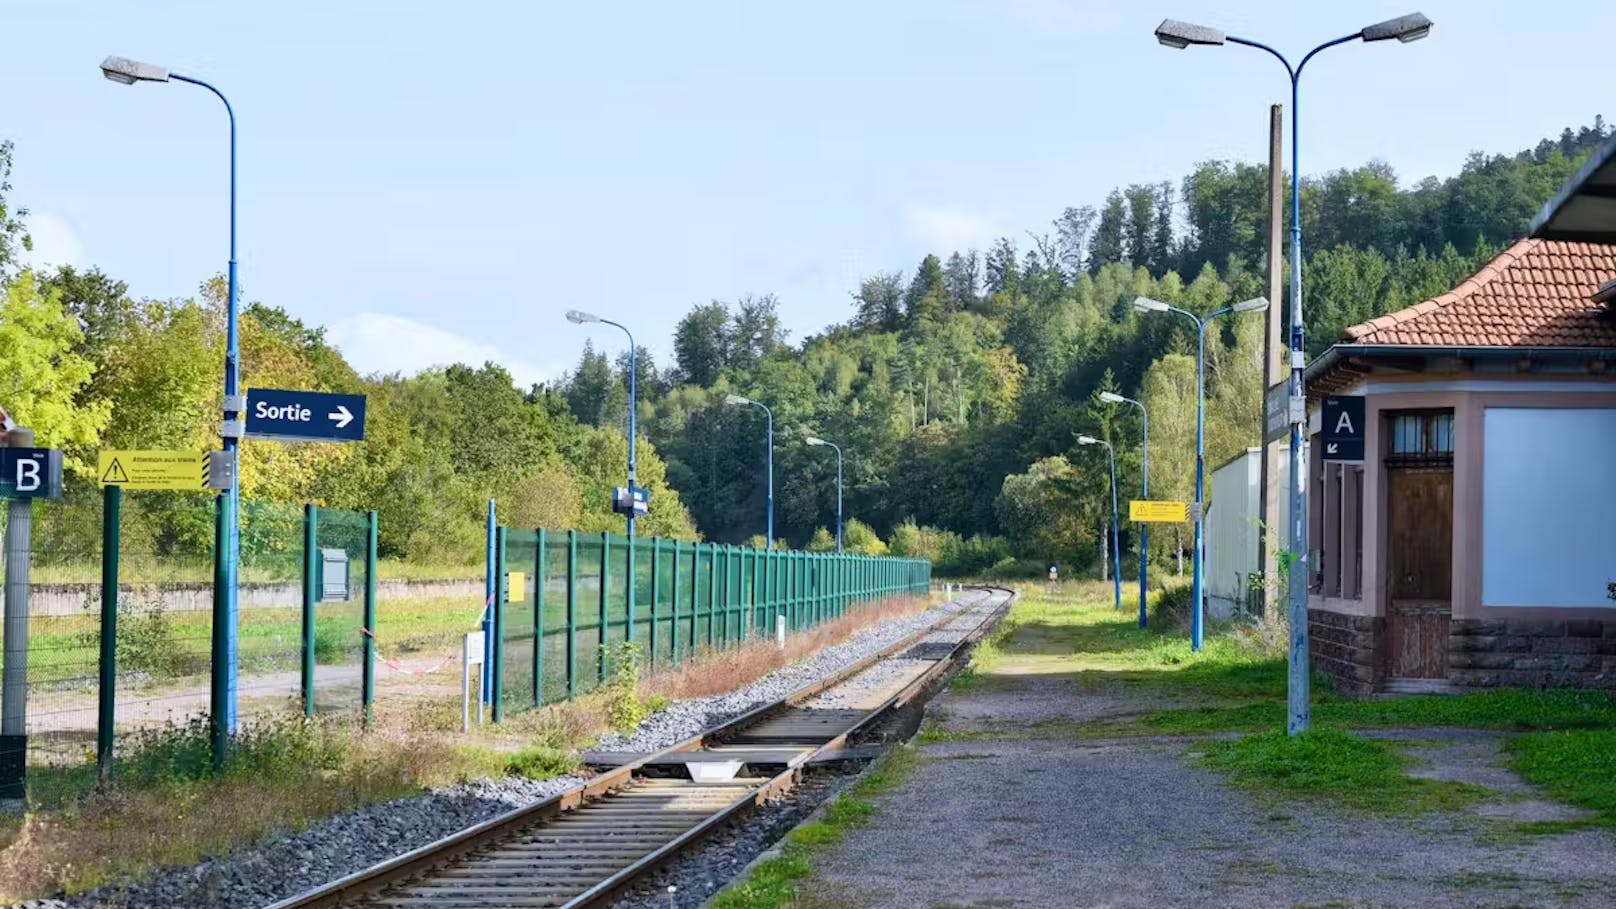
x=376 y=882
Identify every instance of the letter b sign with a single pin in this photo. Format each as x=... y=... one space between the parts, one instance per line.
x=30 y=473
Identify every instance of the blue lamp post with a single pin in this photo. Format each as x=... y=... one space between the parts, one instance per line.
x=578 y=317
x=1145 y=304
x=222 y=701
x=1180 y=35
x=769 y=493
x=816 y=441
x=1112 y=397
x=1116 y=553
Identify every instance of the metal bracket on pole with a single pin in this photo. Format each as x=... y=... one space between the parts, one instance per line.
x=232 y=429
x=235 y=403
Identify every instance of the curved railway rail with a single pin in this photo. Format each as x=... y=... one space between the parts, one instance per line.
x=584 y=847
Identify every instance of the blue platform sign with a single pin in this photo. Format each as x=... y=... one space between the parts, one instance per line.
x=30 y=473
x=304 y=416
x=1342 y=425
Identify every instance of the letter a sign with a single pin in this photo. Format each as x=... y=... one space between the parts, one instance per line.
x=1342 y=425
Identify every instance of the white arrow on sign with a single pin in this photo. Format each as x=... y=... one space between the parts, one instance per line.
x=342 y=417
x=1332 y=448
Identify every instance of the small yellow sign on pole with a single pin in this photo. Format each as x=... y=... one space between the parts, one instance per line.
x=1155 y=512
x=515 y=586
x=182 y=470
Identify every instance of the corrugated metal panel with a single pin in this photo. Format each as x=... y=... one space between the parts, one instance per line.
x=1233 y=526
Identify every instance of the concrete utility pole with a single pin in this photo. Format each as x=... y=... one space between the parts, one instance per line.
x=14 y=699
x=1273 y=346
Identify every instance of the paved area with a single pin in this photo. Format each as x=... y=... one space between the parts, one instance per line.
x=1026 y=810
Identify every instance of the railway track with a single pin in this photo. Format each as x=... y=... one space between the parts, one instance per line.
x=582 y=848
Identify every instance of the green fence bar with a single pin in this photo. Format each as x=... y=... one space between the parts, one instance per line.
x=572 y=614
x=541 y=567
x=107 y=690
x=311 y=600
x=605 y=587
x=673 y=628
x=368 y=669
x=501 y=595
x=656 y=594
x=695 y=602
x=630 y=544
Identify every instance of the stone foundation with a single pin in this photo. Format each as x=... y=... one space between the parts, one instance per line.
x=1519 y=654
x=1345 y=649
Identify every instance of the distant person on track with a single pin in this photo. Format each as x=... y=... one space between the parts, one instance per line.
x=1054 y=579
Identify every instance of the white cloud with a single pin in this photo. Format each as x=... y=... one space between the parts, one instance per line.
x=943 y=229
x=376 y=342
x=55 y=243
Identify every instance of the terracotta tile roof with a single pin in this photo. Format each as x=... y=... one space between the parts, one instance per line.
x=1537 y=293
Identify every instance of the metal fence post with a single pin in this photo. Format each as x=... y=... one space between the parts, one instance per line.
x=572 y=614
x=369 y=668
x=712 y=594
x=695 y=598
x=673 y=627
x=541 y=567
x=656 y=594
x=311 y=599
x=107 y=694
x=602 y=634
x=724 y=594
x=630 y=545
x=501 y=594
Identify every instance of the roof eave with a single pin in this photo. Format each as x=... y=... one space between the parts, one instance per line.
x=1331 y=358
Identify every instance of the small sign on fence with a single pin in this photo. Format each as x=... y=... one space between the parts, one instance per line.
x=1158 y=512
x=181 y=470
x=516 y=587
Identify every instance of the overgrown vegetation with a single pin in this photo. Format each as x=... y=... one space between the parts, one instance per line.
x=1573 y=765
x=1335 y=766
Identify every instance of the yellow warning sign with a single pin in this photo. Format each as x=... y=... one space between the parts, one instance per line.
x=154 y=469
x=1155 y=512
x=515 y=586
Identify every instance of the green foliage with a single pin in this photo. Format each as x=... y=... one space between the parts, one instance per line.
x=1577 y=766
x=1170 y=607
x=860 y=539
x=149 y=641
x=42 y=372
x=625 y=709
x=1336 y=767
x=540 y=762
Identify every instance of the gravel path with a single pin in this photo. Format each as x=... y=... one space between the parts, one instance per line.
x=285 y=865
x=1024 y=813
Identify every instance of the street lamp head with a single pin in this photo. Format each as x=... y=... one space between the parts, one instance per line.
x=579 y=317
x=1146 y=304
x=1255 y=304
x=814 y=441
x=1087 y=440
x=1111 y=397
x=128 y=72
x=1408 y=28
x=1179 y=35
x=736 y=399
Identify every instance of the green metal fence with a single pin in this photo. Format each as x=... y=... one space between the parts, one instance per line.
x=563 y=606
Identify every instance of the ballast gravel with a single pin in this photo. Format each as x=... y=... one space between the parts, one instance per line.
x=340 y=845
x=286 y=864
x=683 y=719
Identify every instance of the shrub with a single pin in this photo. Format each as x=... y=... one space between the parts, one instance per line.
x=541 y=763
x=329 y=646
x=624 y=709
x=1170 y=606
x=148 y=641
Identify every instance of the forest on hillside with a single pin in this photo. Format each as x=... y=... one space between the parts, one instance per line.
x=956 y=389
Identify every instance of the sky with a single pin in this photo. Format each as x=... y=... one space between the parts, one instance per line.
x=441 y=182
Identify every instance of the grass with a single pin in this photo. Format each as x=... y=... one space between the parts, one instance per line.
x=774 y=883
x=1565 y=740
x=1335 y=766
x=1574 y=765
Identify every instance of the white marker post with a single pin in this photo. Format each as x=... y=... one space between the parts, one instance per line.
x=472 y=652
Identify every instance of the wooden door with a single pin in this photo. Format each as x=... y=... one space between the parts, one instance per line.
x=1420 y=570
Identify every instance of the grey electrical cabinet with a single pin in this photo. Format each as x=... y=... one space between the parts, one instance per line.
x=333 y=575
